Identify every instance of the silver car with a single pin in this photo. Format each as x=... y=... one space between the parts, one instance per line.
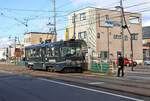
x=147 y=62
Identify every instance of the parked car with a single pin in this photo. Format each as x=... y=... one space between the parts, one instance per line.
x=147 y=62
x=127 y=62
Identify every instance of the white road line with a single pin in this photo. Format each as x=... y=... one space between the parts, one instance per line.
x=2 y=71
x=90 y=75
x=96 y=83
x=89 y=89
x=147 y=78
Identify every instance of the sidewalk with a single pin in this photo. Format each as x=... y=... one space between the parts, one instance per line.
x=129 y=84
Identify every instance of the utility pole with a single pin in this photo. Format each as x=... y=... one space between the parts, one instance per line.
x=15 y=48
x=74 y=29
x=108 y=43
x=122 y=31
x=55 y=33
x=131 y=40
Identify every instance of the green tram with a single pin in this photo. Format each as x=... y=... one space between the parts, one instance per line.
x=61 y=56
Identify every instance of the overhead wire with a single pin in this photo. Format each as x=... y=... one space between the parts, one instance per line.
x=71 y=19
x=139 y=4
x=145 y=9
x=26 y=10
x=103 y=20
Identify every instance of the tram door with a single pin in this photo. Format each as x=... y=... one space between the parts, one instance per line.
x=41 y=63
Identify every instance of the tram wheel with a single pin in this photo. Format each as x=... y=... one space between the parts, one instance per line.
x=50 y=69
x=79 y=70
x=30 y=67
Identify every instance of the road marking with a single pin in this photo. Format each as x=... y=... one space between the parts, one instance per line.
x=147 y=78
x=90 y=75
x=2 y=71
x=89 y=89
x=96 y=83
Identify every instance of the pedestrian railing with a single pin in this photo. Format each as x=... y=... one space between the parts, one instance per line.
x=103 y=67
x=19 y=63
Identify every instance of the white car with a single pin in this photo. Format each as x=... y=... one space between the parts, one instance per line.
x=147 y=62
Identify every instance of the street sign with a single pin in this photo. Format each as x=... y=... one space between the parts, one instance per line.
x=67 y=34
x=109 y=23
x=112 y=23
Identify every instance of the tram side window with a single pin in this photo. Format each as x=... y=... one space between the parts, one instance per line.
x=52 y=51
x=43 y=51
x=37 y=54
x=62 y=52
x=28 y=53
x=48 y=51
x=40 y=52
x=56 y=51
x=33 y=52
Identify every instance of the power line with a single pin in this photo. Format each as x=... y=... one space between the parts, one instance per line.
x=111 y=7
x=128 y=7
x=139 y=4
x=103 y=20
x=13 y=9
x=125 y=7
x=71 y=19
x=64 y=5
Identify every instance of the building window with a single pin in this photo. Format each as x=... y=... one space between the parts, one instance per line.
x=126 y=38
x=103 y=54
x=118 y=53
x=107 y=17
x=41 y=41
x=82 y=16
x=74 y=18
x=82 y=35
x=27 y=40
x=117 y=36
x=134 y=20
x=98 y=35
x=134 y=36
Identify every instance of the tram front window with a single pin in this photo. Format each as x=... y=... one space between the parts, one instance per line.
x=71 y=51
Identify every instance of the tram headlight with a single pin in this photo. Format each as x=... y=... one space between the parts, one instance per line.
x=78 y=62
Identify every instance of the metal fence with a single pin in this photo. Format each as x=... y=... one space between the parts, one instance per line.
x=97 y=67
x=19 y=63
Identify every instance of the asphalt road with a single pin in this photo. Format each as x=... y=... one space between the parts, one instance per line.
x=135 y=75
x=26 y=88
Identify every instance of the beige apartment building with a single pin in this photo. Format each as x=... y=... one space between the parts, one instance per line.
x=90 y=25
x=34 y=38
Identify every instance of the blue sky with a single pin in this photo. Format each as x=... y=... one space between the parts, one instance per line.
x=12 y=22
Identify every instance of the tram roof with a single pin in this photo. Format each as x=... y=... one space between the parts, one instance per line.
x=42 y=45
x=55 y=43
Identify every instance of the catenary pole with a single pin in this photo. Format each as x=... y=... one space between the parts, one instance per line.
x=55 y=33
x=74 y=29
x=122 y=31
